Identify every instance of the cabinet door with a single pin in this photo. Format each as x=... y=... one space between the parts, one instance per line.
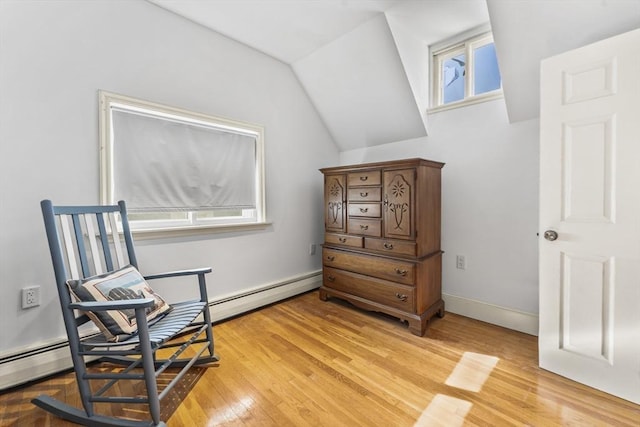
x=335 y=203
x=398 y=210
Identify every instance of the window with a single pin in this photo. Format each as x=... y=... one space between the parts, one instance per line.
x=465 y=72
x=178 y=169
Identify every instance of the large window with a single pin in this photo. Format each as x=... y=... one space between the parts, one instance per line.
x=177 y=169
x=465 y=72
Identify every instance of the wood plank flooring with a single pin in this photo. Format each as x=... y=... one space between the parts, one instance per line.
x=304 y=362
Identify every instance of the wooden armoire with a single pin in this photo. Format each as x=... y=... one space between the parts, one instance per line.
x=382 y=238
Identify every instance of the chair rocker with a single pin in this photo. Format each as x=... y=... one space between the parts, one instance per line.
x=94 y=276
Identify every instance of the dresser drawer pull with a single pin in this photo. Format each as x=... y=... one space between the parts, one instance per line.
x=364 y=194
x=401 y=297
x=364 y=210
x=401 y=272
x=364 y=178
x=333 y=279
x=331 y=257
x=388 y=246
x=342 y=239
x=364 y=227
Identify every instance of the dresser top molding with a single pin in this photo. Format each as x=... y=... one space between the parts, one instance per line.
x=389 y=164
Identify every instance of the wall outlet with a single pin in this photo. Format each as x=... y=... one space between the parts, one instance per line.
x=461 y=262
x=31 y=297
x=312 y=249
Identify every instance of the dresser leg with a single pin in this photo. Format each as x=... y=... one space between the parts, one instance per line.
x=418 y=326
x=323 y=295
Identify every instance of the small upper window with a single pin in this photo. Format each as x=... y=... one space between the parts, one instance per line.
x=465 y=72
x=178 y=169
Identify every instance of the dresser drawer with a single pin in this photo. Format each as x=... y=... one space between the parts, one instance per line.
x=343 y=239
x=396 y=247
x=366 y=227
x=371 y=210
x=355 y=179
x=382 y=291
x=364 y=194
x=388 y=269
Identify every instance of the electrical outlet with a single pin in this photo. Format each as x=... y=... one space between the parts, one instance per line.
x=461 y=262
x=312 y=249
x=31 y=297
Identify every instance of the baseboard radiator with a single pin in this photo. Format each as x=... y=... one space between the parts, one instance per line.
x=47 y=358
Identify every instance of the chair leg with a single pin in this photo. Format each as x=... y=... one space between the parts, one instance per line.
x=148 y=365
x=80 y=369
x=207 y=315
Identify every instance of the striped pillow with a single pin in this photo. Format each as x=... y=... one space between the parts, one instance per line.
x=126 y=283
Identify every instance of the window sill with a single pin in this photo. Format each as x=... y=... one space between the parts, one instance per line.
x=196 y=230
x=469 y=101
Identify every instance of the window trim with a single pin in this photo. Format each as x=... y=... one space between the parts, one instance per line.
x=161 y=228
x=463 y=43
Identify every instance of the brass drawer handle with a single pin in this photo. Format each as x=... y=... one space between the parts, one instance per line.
x=364 y=178
x=331 y=257
x=364 y=210
x=401 y=272
x=388 y=246
x=401 y=297
x=333 y=279
x=364 y=194
x=364 y=227
x=342 y=239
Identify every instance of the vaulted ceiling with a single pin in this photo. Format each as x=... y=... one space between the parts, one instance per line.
x=364 y=63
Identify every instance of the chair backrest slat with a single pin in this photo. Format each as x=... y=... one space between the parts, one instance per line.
x=104 y=239
x=69 y=248
x=116 y=240
x=91 y=236
x=82 y=252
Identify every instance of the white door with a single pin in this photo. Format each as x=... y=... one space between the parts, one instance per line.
x=590 y=197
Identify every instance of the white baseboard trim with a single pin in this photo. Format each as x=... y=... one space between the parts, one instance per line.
x=238 y=303
x=47 y=358
x=496 y=315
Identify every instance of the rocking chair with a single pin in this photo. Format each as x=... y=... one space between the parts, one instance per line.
x=97 y=280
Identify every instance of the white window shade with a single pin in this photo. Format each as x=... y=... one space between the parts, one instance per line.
x=171 y=165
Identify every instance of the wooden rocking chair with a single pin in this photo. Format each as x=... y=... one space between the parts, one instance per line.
x=97 y=280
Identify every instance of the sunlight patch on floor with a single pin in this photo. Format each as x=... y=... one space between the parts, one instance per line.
x=445 y=411
x=472 y=371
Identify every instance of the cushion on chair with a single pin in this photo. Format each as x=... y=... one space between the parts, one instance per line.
x=126 y=283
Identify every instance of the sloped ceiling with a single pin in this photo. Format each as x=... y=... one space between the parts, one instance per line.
x=527 y=31
x=364 y=63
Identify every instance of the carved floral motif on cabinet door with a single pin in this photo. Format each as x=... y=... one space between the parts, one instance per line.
x=398 y=189
x=334 y=197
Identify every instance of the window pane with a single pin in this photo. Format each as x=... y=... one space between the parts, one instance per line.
x=157 y=216
x=219 y=213
x=453 y=71
x=486 y=73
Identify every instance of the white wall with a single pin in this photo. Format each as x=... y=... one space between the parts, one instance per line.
x=54 y=56
x=489 y=201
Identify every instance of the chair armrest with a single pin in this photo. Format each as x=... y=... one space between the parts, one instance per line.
x=190 y=272
x=113 y=305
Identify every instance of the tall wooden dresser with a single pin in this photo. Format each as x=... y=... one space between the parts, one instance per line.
x=382 y=239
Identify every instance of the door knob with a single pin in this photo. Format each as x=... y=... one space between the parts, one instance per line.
x=550 y=235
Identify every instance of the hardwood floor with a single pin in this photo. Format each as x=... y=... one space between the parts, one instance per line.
x=304 y=362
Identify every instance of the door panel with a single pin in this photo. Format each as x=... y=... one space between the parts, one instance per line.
x=589 y=195
x=587 y=169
